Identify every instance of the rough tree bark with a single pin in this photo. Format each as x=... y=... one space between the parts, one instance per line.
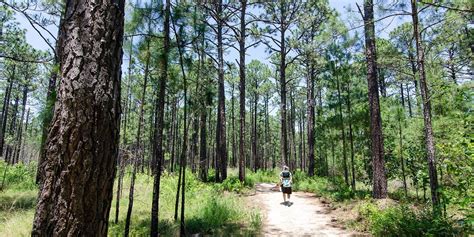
x=82 y=143
x=376 y=135
x=50 y=101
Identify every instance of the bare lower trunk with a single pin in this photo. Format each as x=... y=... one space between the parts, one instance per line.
x=159 y=121
x=82 y=143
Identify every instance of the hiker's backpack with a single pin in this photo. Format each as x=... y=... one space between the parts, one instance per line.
x=285 y=174
x=286 y=178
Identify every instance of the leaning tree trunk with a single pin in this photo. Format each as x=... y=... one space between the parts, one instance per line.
x=425 y=96
x=378 y=162
x=82 y=143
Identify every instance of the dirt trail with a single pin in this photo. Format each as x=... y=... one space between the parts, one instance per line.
x=305 y=217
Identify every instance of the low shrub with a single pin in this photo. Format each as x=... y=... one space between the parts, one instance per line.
x=18 y=177
x=401 y=220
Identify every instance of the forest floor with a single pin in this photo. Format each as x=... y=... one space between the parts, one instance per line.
x=307 y=216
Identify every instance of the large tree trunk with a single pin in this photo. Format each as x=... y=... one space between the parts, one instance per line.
x=425 y=96
x=82 y=143
x=376 y=135
x=159 y=125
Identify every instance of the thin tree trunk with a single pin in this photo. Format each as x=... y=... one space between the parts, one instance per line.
x=174 y=132
x=140 y=149
x=22 y=154
x=351 y=138
x=343 y=134
x=5 y=112
x=121 y=159
x=409 y=102
x=159 y=124
x=242 y=91
x=254 y=141
x=310 y=126
x=425 y=96
x=401 y=153
x=203 y=146
x=232 y=115
x=20 y=125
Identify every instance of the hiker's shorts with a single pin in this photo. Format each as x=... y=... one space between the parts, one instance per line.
x=286 y=190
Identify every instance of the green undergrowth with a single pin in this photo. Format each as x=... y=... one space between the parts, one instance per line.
x=406 y=220
x=209 y=210
x=17 y=199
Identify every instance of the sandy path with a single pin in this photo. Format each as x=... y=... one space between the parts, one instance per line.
x=306 y=217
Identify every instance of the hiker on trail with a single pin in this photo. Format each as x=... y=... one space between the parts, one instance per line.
x=285 y=181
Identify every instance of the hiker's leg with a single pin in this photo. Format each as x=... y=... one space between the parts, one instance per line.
x=284 y=196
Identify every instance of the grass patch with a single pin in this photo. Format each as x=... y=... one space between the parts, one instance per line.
x=210 y=210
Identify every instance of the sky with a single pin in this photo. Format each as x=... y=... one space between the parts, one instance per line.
x=341 y=6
